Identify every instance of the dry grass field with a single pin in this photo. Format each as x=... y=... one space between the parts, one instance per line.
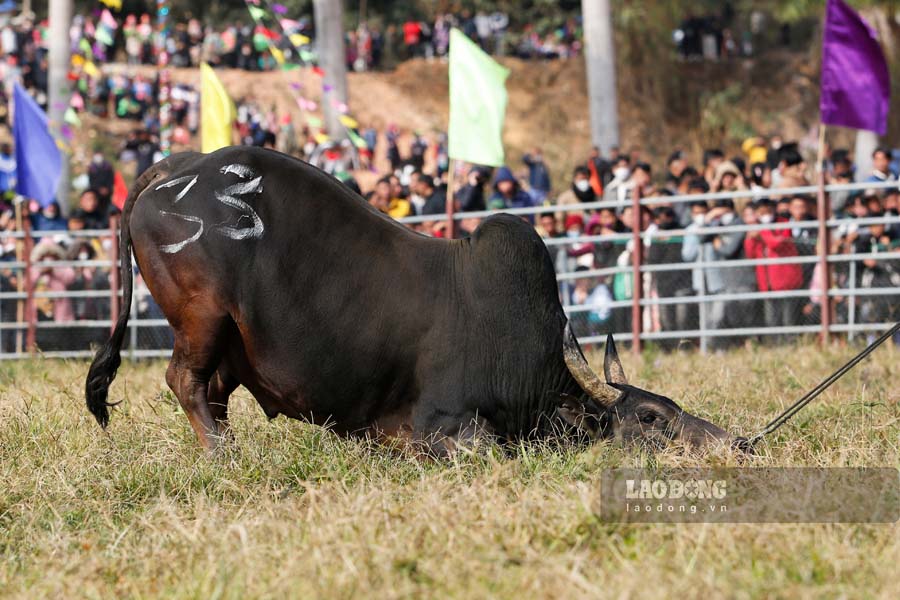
x=292 y=511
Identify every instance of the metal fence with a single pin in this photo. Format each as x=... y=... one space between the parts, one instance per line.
x=637 y=284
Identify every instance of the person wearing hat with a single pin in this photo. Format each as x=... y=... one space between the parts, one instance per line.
x=728 y=178
x=509 y=193
x=755 y=149
x=51 y=279
x=579 y=253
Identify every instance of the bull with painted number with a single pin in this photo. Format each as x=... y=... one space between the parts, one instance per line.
x=275 y=276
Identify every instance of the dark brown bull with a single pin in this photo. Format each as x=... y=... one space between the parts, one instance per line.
x=275 y=276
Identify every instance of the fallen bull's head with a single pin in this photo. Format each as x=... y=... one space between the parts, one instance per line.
x=619 y=411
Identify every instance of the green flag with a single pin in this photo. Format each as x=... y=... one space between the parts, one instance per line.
x=477 y=103
x=256 y=12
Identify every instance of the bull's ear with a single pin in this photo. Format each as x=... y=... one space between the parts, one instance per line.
x=573 y=412
x=612 y=367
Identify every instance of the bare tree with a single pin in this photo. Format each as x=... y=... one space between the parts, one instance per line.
x=329 y=15
x=600 y=62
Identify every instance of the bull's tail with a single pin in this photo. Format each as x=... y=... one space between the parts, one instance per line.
x=108 y=358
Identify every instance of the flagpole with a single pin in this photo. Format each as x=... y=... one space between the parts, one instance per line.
x=824 y=245
x=451 y=207
x=20 y=280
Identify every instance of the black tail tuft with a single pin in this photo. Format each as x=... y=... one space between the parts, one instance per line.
x=100 y=376
x=108 y=358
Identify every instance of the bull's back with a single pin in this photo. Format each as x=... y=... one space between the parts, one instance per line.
x=320 y=288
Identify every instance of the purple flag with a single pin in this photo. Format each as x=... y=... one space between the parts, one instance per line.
x=856 y=86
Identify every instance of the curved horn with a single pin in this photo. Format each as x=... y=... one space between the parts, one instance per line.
x=581 y=371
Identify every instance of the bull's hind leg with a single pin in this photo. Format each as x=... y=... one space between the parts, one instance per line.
x=195 y=359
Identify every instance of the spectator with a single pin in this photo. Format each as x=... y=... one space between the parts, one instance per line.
x=90 y=211
x=7 y=169
x=88 y=278
x=666 y=249
x=620 y=173
x=46 y=278
x=538 y=176
x=470 y=197
x=581 y=254
x=675 y=167
x=596 y=296
x=728 y=178
x=548 y=229
x=435 y=198
x=100 y=179
x=876 y=272
x=711 y=160
x=384 y=199
x=47 y=218
x=508 y=193
x=417 y=150
x=766 y=244
x=605 y=223
x=711 y=247
x=881 y=160
x=579 y=191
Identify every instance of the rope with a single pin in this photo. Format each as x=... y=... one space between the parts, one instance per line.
x=812 y=394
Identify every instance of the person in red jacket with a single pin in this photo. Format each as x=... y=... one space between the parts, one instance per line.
x=777 y=243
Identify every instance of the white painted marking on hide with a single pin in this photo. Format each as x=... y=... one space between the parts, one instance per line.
x=242 y=171
x=227 y=197
x=173 y=248
x=191 y=179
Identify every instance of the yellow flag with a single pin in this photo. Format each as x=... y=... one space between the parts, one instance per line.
x=277 y=54
x=217 y=111
x=348 y=121
x=298 y=39
x=91 y=70
x=113 y=4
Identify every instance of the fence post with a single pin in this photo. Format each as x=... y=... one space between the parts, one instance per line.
x=114 y=283
x=30 y=307
x=851 y=298
x=636 y=259
x=451 y=205
x=823 y=248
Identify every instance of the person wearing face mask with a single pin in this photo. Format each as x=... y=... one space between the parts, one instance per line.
x=666 y=249
x=621 y=172
x=581 y=254
x=775 y=243
x=717 y=247
x=580 y=191
x=47 y=218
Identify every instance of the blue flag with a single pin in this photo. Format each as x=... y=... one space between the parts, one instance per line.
x=38 y=160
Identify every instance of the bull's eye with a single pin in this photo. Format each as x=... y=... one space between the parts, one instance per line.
x=648 y=418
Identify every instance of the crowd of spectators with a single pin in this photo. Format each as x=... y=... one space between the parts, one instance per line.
x=413 y=182
x=692 y=233
x=793 y=287
x=101 y=38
